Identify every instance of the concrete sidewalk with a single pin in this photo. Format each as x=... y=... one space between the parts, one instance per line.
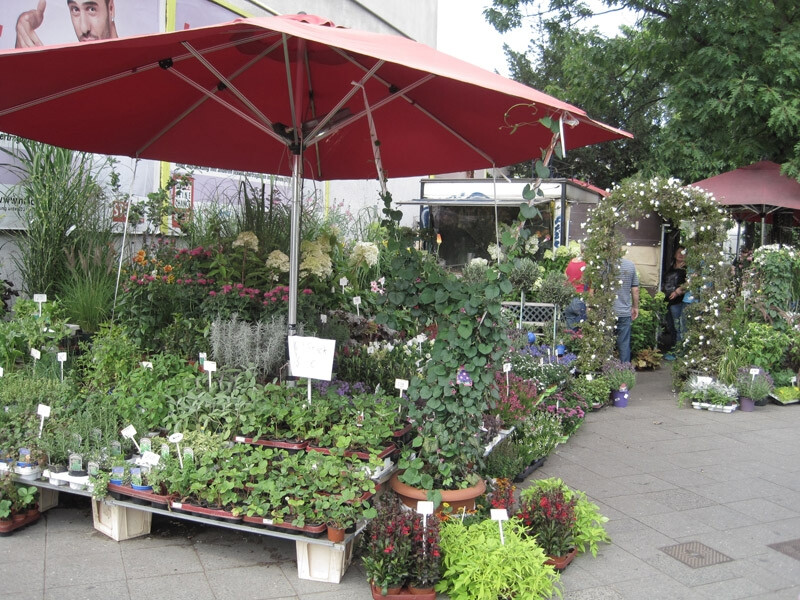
x=701 y=505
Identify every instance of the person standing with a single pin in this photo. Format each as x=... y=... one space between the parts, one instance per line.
x=575 y=312
x=626 y=306
x=674 y=292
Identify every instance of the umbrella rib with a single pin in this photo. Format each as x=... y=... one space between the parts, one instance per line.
x=73 y=90
x=402 y=94
x=228 y=82
x=207 y=95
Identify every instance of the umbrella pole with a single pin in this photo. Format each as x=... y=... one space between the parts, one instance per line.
x=294 y=240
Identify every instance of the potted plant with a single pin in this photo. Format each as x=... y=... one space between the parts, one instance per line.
x=550 y=517
x=477 y=565
x=622 y=379
x=588 y=526
x=753 y=385
x=386 y=547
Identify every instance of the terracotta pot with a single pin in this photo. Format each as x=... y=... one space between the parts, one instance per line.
x=335 y=534
x=561 y=562
x=415 y=591
x=391 y=593
x=457 y=499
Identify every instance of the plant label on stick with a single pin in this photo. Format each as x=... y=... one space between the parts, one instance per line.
x=40 y=299
x=754 y=371
x=130 y=433
x=146 y=364
x=36 y=354
x=209 y=367
x=500 y=515
x=150 y=459
x=589 y=377
x=401 y=384
x=357 y=304
x=201 y=358
x=176 y=438
x=311 y=357
x=343 y=283
x=793 y=381
x=323 y=319
x=2 y=371
x=43 y=411
x=61 y=357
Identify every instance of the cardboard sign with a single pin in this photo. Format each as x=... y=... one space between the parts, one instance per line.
x=311 y=357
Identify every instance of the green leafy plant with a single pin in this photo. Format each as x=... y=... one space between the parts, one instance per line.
x=619 y=374
x=754 y=383
x=588 y=526
x=478 y=566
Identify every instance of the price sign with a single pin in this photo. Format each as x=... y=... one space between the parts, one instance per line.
x=311 y=357
x=129 y=432
x=500 y=515
x=425 y=507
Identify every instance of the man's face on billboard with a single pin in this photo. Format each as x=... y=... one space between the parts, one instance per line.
x=92 y=19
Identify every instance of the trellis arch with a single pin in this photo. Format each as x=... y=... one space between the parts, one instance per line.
x=708 y=274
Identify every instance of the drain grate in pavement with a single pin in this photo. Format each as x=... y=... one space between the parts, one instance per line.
x=695 y=554
x=790 y=548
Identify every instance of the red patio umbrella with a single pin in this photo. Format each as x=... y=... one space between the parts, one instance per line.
x=282 y=95
x=755 y=192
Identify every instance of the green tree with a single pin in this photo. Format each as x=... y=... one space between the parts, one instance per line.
x=706 y=86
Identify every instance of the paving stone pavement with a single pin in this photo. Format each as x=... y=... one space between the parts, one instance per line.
x=679 y=486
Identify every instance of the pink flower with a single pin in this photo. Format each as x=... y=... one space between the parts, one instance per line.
x=212 y=293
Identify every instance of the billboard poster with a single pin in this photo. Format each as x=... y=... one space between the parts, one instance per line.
x=25 y=23
x=199 y=13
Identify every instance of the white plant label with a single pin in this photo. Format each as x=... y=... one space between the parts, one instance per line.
x=176 y=438
x=343 y=283
x=589 y=377
x=146 y=364
x=2 y=371
x=357 y=304
x=425 y=507
x=210 y=366
x=323 y=319
x=150 y=459
x=506 y=367
x=40 y=298
x=43 y=410
x=703 y=380
x=793 y=380
x=36 y=354
x=129 y=432
x=500 y=515
x=311 y=357
x=61 y=357
x=755 y=371
x=401 y=384
x=202 y=358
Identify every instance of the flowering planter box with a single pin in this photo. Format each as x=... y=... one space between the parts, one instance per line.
x=140 y=496
x=388 y=451
x=531 y=468
x=291 y=446
x=211 y=513
x=714 y=407
x=403 y=594
x=312 y=530
x=9 y=526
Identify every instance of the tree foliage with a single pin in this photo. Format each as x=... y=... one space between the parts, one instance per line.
x=705 y=86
